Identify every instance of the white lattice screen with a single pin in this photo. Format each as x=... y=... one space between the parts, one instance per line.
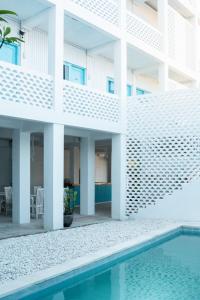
x=105 y=9
x=25 y=87
x=163 y=146
x=82 y=101
x=144 y=31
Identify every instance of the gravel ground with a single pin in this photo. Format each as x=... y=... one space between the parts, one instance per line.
x=28 y=254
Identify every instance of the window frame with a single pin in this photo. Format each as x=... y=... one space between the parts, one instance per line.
x=70 y=67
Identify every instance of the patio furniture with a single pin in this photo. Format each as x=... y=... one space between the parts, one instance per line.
x=35 y=188
x=8 y=200
x=37 y=204
x=2 y=201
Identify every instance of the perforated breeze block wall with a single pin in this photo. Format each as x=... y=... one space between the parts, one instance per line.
x=163 y=146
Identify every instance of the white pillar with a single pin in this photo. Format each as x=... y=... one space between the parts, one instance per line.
x=163 y=27
x=118 y=172
x=56 y=51
x=71 y=163
x=53 y=176
x=21 y=177
x=87 y=176
x=163 y=77
x=118 y=176
x=163 y=23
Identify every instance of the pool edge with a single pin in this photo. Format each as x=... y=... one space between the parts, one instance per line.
x=85 y=262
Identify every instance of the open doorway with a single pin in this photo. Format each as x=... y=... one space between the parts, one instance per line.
x=102 y=182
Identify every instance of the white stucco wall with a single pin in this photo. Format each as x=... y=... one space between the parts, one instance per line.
x=181 y=205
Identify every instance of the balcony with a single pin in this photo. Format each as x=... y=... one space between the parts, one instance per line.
x=108 y=10
x=90 y=104
x=24 y=87
x=181 y=35
x=144 y=32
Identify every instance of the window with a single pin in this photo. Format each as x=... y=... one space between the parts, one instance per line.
x=111 y=88
x=10 y=53
x=74 y=73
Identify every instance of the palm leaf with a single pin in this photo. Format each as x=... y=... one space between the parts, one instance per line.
x=7 y=12
x=13 y=39
x=3 y=20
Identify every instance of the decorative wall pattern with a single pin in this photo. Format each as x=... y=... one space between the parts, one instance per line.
x=163 y=146
x=25 y=87
x=144 y=31
x=82 y=101
x=105 y=9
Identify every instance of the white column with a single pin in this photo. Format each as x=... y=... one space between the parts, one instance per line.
x=53 y=176
x=87 y=176
x=118 y=169
x=56 y=50
x=163 y=27
x=163 y=77
x=195 y=57
x=71 y=163
x=21 y=177
x=118 y=176
x=120 y=69
x=163 y=22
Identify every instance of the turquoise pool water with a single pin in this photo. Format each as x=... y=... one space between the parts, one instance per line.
x=168 y=271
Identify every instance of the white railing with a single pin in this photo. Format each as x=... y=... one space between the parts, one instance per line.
x=143 y=31
x=105 y=9
x=84 y=102
x=181 y=40
x=24 y=87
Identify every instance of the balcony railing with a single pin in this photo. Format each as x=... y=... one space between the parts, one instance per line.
x=105 y=9
x=84 y=102
x=143 y=31
x=24 y=87
x=181 y=40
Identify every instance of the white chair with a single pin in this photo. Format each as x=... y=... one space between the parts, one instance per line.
x=8 y=199
x=35 y=188
x=37 y=204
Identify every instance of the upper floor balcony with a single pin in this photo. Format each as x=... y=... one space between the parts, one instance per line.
x=181 y=41
x=28 y=85
x=142 y=25
x=101 y=13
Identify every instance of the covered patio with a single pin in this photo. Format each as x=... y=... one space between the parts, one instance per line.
x=25 y=171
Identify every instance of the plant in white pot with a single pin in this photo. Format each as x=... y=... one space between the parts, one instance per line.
x=70 y=198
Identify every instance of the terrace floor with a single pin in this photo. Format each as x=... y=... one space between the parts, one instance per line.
x=8 y=229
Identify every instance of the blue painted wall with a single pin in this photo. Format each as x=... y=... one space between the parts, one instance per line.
x=102 y=193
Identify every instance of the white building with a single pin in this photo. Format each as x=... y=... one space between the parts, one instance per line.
x=63 y=96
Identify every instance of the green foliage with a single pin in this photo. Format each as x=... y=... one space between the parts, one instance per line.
x=70 y=198
x=5 y=30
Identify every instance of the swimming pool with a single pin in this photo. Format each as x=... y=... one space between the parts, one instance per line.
x=165 y=268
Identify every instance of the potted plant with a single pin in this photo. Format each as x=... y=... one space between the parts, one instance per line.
x=70 y=197
x=5 y=30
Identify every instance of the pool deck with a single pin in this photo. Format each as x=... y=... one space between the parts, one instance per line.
x=28 y=260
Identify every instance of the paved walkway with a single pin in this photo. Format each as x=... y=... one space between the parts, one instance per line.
x=8 y=229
